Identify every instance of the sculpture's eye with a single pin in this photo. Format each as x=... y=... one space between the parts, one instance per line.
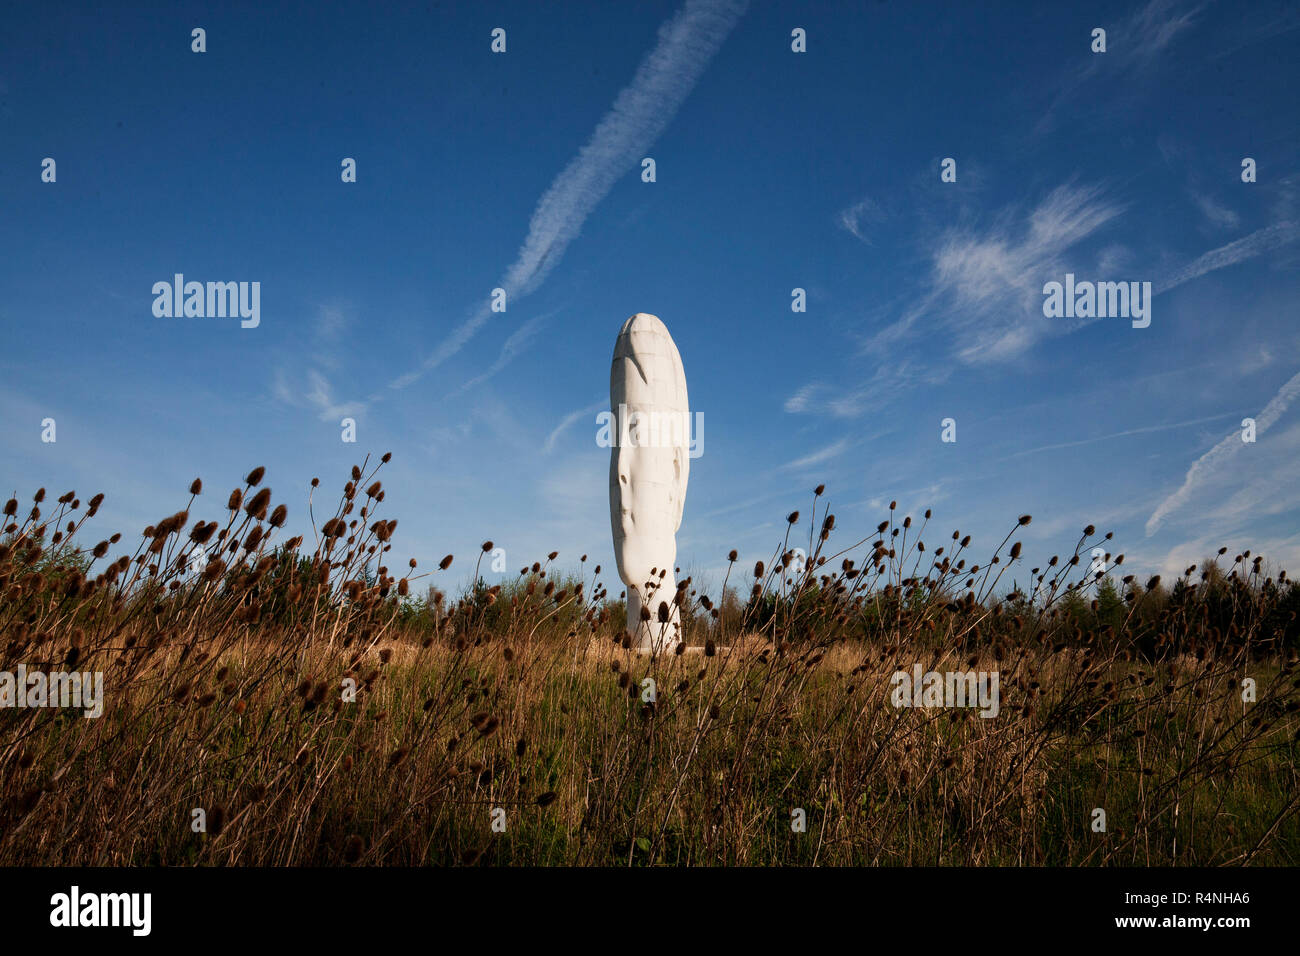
x=623 y=478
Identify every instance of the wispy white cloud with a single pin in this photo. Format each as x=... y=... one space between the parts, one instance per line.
x=571 y=419
x=818 y=457
x=313 y=389
x=861 y=214
x=1145 y=430
x=1278 y=553
x=986 y=285
x=742 y=505
x=886 y=383
x=1218 y=214
x=805 y=399
x=909 y=501
x=320 y=395
x=983 y=298
x=488 y=421
x=1225 y=451
x=1133 y=46
x=1112 y=259
x=1145 y=35
x=1260 y=26
x=641 y=112
x=331 y=322
x=511 y=348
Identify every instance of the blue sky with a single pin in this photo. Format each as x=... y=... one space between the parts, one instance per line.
x=775 y=170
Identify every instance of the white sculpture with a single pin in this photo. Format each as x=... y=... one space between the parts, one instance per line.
x=648 y=467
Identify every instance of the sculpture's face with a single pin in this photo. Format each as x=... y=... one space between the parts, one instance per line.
x=649 y=462
x=650 y=488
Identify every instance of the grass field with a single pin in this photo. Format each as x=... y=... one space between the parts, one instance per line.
x=317 y=711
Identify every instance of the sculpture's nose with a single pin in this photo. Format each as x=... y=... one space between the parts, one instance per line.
x=623 y=467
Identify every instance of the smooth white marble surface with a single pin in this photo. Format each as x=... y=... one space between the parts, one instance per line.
x=648 y=469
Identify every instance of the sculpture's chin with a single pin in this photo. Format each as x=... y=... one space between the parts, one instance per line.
x=641 y=558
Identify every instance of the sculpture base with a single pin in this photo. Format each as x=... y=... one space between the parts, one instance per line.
x=654 y=636
x=691 y=649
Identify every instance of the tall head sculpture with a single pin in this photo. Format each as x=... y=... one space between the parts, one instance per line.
x=648 y=466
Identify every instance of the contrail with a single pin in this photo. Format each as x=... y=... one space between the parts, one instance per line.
x=515 y=344
x=641 y=112
x=580 y=414
x=1257 y=243
x=1223 y=450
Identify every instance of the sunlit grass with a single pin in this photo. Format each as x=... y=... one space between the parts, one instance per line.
x=229 y=685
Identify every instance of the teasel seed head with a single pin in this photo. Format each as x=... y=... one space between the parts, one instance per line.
x=256 y=508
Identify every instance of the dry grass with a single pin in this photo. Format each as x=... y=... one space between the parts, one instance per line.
x=225 y=692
